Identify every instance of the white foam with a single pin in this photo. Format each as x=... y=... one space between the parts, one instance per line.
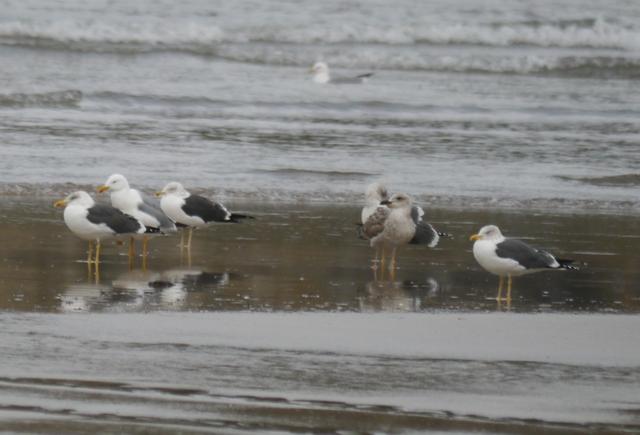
x=600 y=34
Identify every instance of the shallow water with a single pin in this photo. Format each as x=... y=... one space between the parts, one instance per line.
x=309 y=258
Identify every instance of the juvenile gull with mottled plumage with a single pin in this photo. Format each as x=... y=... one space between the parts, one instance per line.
x=425 y=233
x=511 y=257
x=396 y=222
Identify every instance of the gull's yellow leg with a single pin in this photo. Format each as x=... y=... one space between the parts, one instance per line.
x=97 y=261
x=145 y=248
x=89 y=259
x=132 y=247
x=509 y=289
x=382 y=262
x=132 y=252
x=392 y=264
x=98 y=246
x=90 y=254
x=500 y=285
x=190 y=236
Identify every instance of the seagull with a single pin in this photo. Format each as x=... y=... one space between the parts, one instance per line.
x=193 y=211
x=375 y=194
x=511 y=257
x=393 y=224
x=145 y=209
x=96 y=222
x=320 y=71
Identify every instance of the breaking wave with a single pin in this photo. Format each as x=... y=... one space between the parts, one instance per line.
x=200 y=36
x=612 y=48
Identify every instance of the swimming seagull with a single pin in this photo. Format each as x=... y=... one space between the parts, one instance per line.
x=96 y=222
x=144 y=208
x=394 y=223
x=320 y=71
x=193 y=211
x=511 y=257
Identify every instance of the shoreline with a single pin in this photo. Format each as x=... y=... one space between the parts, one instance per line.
x=16 y=193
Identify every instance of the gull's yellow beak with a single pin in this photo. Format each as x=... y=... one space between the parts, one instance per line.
x=159 y=193
x=475 y=237
x=61 y=203
x=102 y=188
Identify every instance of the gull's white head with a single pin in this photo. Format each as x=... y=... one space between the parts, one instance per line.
x=376 y=192
x=173 y=188
x=114 y=183
x=320 y=71
x=398 y=200
x=488 y=232
x=80 y=197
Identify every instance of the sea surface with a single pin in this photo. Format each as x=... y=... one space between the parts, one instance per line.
x=519 y=104
x=521 y=114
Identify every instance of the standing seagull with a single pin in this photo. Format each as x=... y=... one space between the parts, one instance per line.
x=193 y=211
x=96 y=222
x=511 y=257
x=373 y=196
x=145 y=209
x=392 y=225
x=377 y=193
x=320 y=71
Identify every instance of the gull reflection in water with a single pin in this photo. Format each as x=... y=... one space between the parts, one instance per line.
x=99 y=297
x=81 y=297
x=183 y=281
x=139 y=290
x=397 y=295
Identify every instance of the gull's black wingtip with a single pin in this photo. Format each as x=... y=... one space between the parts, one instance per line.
x=567 y=264
x=237 y=218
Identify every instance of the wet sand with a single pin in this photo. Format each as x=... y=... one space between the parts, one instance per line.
x=293 y=372
x=279 y=324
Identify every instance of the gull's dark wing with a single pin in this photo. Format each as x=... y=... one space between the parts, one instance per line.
x=528 y=256
x=117 y=221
